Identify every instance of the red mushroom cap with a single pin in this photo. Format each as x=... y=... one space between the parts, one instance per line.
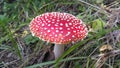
x=58 y=28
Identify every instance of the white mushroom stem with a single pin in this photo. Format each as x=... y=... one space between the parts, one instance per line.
x=58 y=50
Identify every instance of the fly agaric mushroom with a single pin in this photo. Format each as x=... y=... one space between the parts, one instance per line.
x=58 y=28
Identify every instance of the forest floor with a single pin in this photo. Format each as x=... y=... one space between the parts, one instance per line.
x=100 y=49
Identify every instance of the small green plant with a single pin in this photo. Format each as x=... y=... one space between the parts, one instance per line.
x=30 y=39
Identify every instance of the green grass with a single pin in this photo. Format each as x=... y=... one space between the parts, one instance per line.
x=15 y=37
x=52 y=62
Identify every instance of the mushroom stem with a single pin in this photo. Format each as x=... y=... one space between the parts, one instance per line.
x=58 y=50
